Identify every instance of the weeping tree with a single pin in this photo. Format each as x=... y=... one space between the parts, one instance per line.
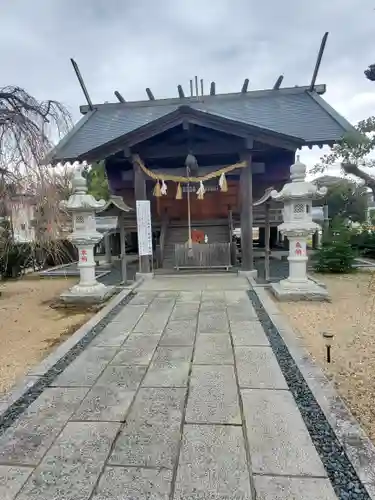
x=28 y=130
x=353 y=153
x=355 y=149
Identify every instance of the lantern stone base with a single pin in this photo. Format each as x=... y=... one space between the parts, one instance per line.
x=288 y=291
x=95 y=294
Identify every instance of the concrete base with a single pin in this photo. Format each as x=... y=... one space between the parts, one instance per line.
x=286 y=291
x=248 y=274
x=88 y=295
x=143 y=276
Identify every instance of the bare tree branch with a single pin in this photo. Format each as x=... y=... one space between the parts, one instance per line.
x=28 y=128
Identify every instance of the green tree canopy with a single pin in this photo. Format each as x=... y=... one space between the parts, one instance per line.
x=347 y=201
x=355 y=150
x=97 y=181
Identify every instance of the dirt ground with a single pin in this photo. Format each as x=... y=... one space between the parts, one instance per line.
x=351 y=318
x=29 y=327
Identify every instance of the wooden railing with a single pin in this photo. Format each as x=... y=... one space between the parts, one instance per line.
x=203 y=255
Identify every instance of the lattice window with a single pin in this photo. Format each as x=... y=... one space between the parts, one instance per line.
x=299 y=208
x=80 y=219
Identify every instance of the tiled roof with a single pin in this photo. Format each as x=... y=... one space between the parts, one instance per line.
x=294 y=111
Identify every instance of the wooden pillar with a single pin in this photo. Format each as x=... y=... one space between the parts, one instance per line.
x=267 y=251
x=107 y=248
x=246 y=190
x=140 y=193
x=123 y=249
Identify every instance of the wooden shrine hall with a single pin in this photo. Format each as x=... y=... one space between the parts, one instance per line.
x=205 y=162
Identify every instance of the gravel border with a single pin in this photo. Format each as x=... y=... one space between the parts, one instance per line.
x=339 y=467
x=41 y=376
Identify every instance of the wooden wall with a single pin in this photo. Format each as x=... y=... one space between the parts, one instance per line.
x=215 y=204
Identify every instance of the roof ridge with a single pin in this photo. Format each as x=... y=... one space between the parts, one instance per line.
x=251 y=94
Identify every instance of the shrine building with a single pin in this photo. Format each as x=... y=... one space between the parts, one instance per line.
x=207 y=163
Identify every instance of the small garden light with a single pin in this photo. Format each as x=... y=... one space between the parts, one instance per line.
x=328 y=338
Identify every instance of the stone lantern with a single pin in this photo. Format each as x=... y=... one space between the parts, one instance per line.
x=298 y=225
x=84 y=237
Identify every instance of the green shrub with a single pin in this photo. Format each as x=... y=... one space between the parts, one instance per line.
x=15 y=257
x=364 y=242
x=336 y=254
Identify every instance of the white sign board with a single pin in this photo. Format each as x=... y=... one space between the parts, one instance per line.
x=144 y=227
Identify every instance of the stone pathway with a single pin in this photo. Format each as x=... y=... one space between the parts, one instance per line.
x=179 y=397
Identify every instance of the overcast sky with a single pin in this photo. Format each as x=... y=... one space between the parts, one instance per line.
x=129 y=45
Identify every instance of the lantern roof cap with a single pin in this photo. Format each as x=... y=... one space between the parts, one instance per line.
x=299 y=188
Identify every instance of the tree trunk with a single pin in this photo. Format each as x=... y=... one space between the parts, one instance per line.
x=352 y=169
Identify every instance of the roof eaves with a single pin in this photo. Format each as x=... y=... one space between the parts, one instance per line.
x=53 y=155
x=344 y=124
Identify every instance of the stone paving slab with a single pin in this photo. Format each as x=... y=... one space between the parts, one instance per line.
x=289 y=488
x=212 y=464
x=213 y=349
x=31 y=436
x=199 y=282
x=213 y=323
x=179 y=333
x=241 y=313
x=120 y=483
x=113 y=337
x=185 y=297
x=169 y=368
x=86 y=368
x=143 y=298
x=212 y=308
x=129 y=316
x=185 y=311
x=151 y=433
x=248 y=333
x=213 y=396
x=258 y=368
x=12 y=479
x=107 y=404
x=152 y=323
x=164 y=304
x=137 y=350
x=173 y=353
x=236 y=297
x=112 y=395
x=128 y=377
x=279 y=442
x=72 y=466
x=167 y=374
